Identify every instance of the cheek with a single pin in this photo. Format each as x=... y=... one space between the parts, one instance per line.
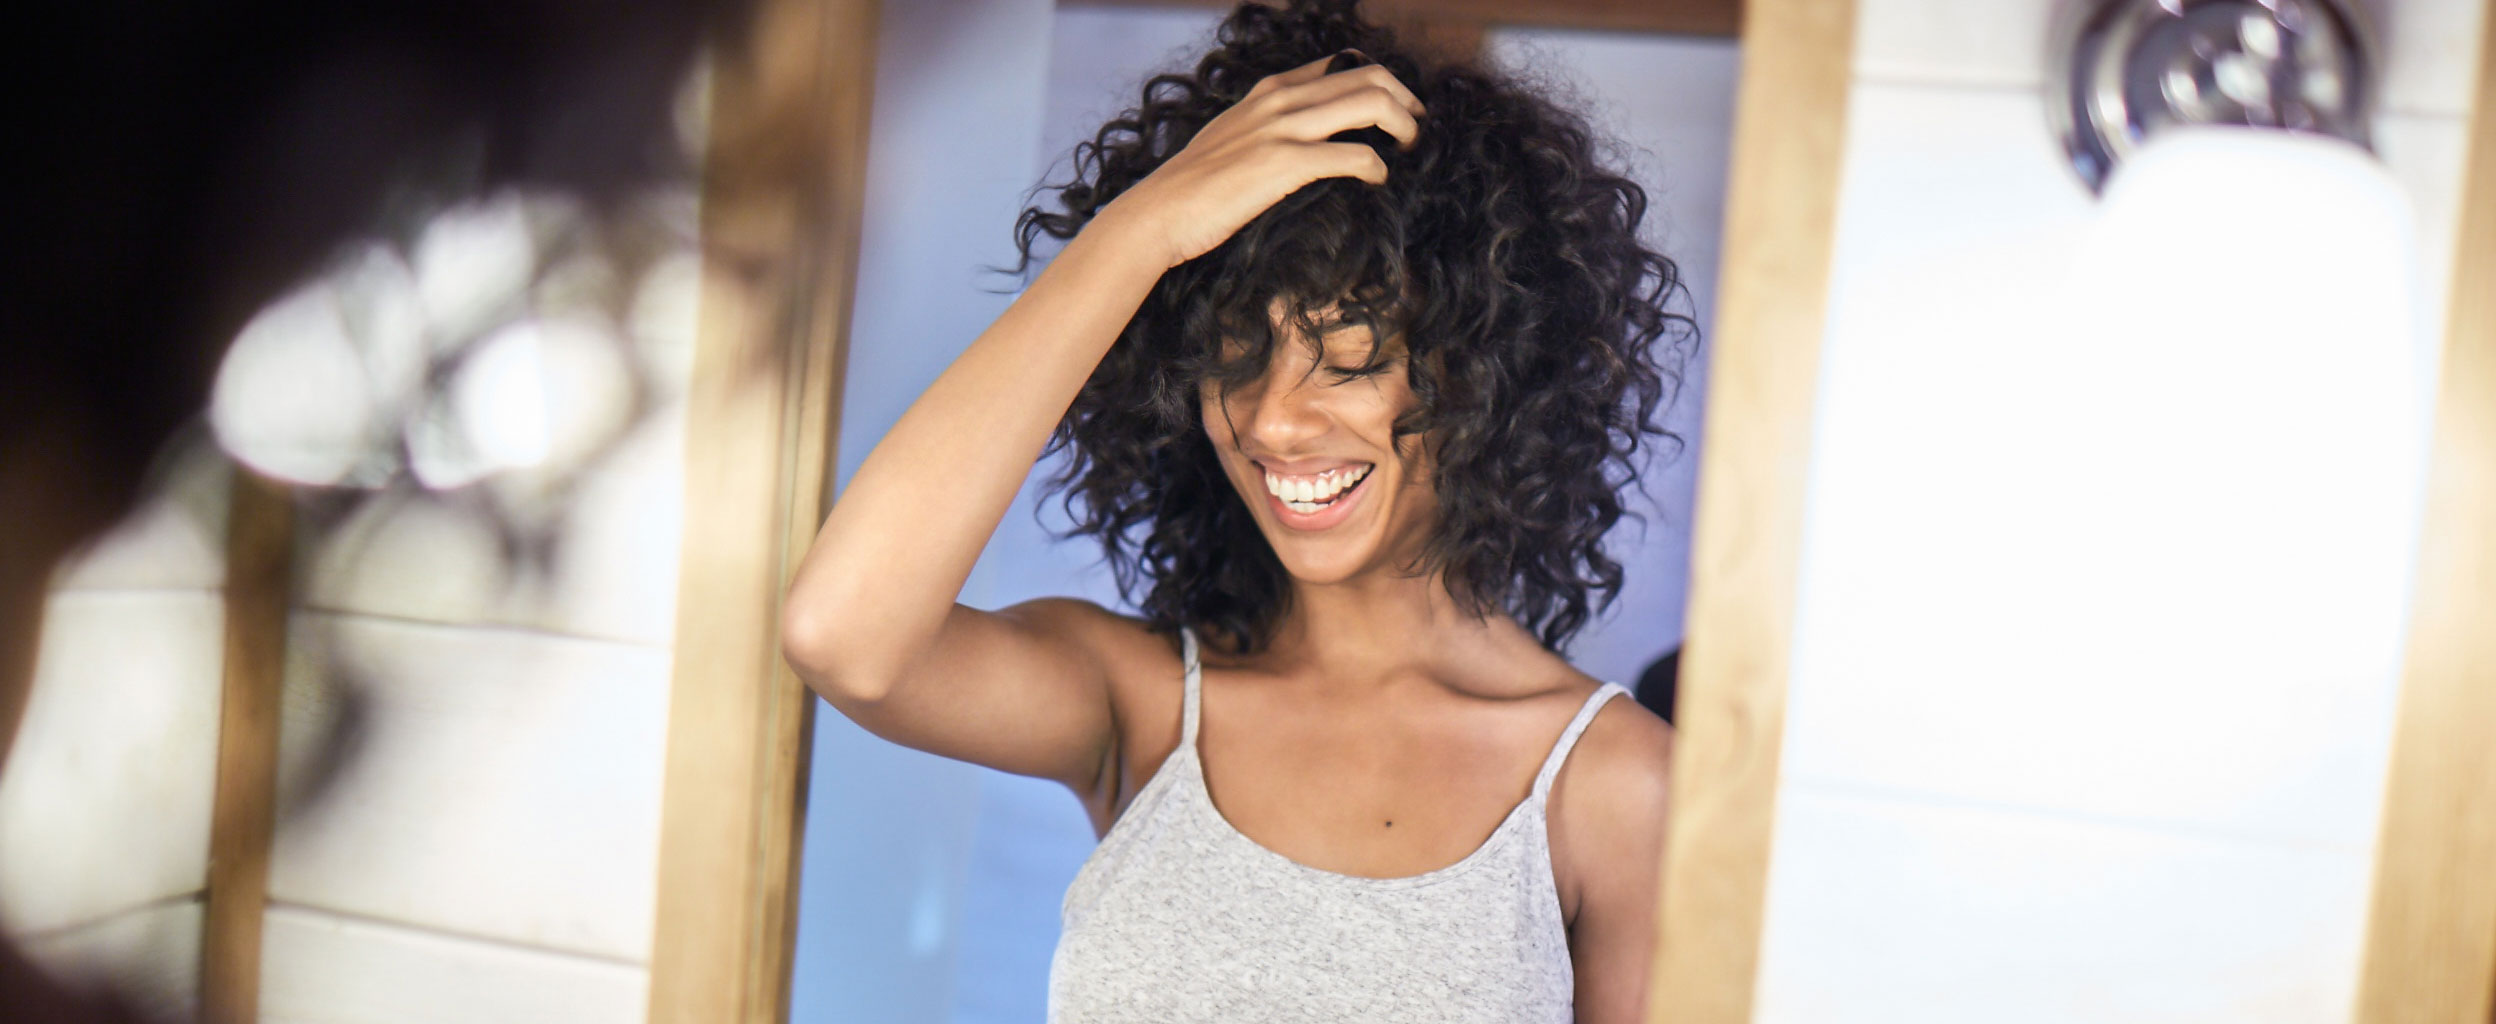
x=1379 y=407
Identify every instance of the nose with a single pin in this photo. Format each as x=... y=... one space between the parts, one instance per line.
x=1279 y=412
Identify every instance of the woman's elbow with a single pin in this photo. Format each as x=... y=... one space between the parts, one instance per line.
x=811 y=640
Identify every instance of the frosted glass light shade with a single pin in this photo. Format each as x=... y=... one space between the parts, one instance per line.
x=2246 y=306
x=2144 y=553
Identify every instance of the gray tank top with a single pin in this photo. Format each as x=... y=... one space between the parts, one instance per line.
x=1177 y=918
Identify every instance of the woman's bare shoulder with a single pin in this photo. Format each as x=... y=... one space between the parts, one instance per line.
x=1609 y=804
x=1625 y=753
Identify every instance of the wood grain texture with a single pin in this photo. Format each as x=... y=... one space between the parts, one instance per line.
x=782 y=190
x=259 y=557
x=2431 y=939
x=1672 y=17
x=1780 y=214
x=1450 y=38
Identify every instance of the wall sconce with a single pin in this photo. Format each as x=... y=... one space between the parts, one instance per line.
x=2132 y=68
x=2249 y=292
x=2232 y=445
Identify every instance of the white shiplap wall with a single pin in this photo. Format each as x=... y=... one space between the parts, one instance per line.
x=105 y=806
x=486 y=849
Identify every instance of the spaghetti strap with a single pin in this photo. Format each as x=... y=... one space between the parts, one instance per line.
x=1190 y=697
x=1568 y=736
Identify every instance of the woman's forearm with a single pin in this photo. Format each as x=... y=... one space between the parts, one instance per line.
x=885 y=569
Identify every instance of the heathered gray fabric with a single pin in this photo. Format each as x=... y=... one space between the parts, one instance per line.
x=1178 y=918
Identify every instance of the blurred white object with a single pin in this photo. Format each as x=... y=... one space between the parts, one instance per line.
x=535 y=392
x=310 y=390
x=473 y=261
x=2234 y=441
x=468 y=360
x=2106 y=610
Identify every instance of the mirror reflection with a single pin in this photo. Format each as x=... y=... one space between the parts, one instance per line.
x=1283 y=451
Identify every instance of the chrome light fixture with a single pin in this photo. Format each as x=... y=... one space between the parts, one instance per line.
x=2130 y=68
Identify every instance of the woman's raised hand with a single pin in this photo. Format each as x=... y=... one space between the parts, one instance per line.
x=1265 y=147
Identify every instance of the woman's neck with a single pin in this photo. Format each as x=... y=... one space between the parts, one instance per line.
x=1379 y=626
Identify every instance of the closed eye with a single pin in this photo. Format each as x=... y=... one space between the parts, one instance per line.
x=1347 y=374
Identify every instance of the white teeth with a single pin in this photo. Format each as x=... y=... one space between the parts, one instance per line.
x=1345 y=479
x=1304 y=494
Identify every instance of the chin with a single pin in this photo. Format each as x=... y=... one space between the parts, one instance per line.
x=1361 y=546
x=1333 y=563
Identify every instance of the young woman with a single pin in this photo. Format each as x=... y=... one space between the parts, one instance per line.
x=1352 y=351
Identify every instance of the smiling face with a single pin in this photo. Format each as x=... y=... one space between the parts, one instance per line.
x=1310 y=445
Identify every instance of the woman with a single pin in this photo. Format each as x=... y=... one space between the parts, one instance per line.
x=1351 y=356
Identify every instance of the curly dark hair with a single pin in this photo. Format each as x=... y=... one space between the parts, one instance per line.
x=1536 y=329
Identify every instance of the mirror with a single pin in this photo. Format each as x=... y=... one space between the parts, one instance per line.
x=931 y=889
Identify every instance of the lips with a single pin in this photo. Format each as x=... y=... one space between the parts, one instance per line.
x=1330 y=495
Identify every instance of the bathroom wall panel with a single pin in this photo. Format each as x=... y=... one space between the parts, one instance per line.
x=149 y=955
x=1900 y=910
x=2427 y=46
x=1993 y=43
x=2425 y=152
x=2430 y=54
x=116 y=759
x=174 y=540
x=319 y=968
x=611 y=574
x=497 y=783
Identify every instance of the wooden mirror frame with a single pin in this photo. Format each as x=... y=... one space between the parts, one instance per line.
x=783 y=186
x=2430 y=953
